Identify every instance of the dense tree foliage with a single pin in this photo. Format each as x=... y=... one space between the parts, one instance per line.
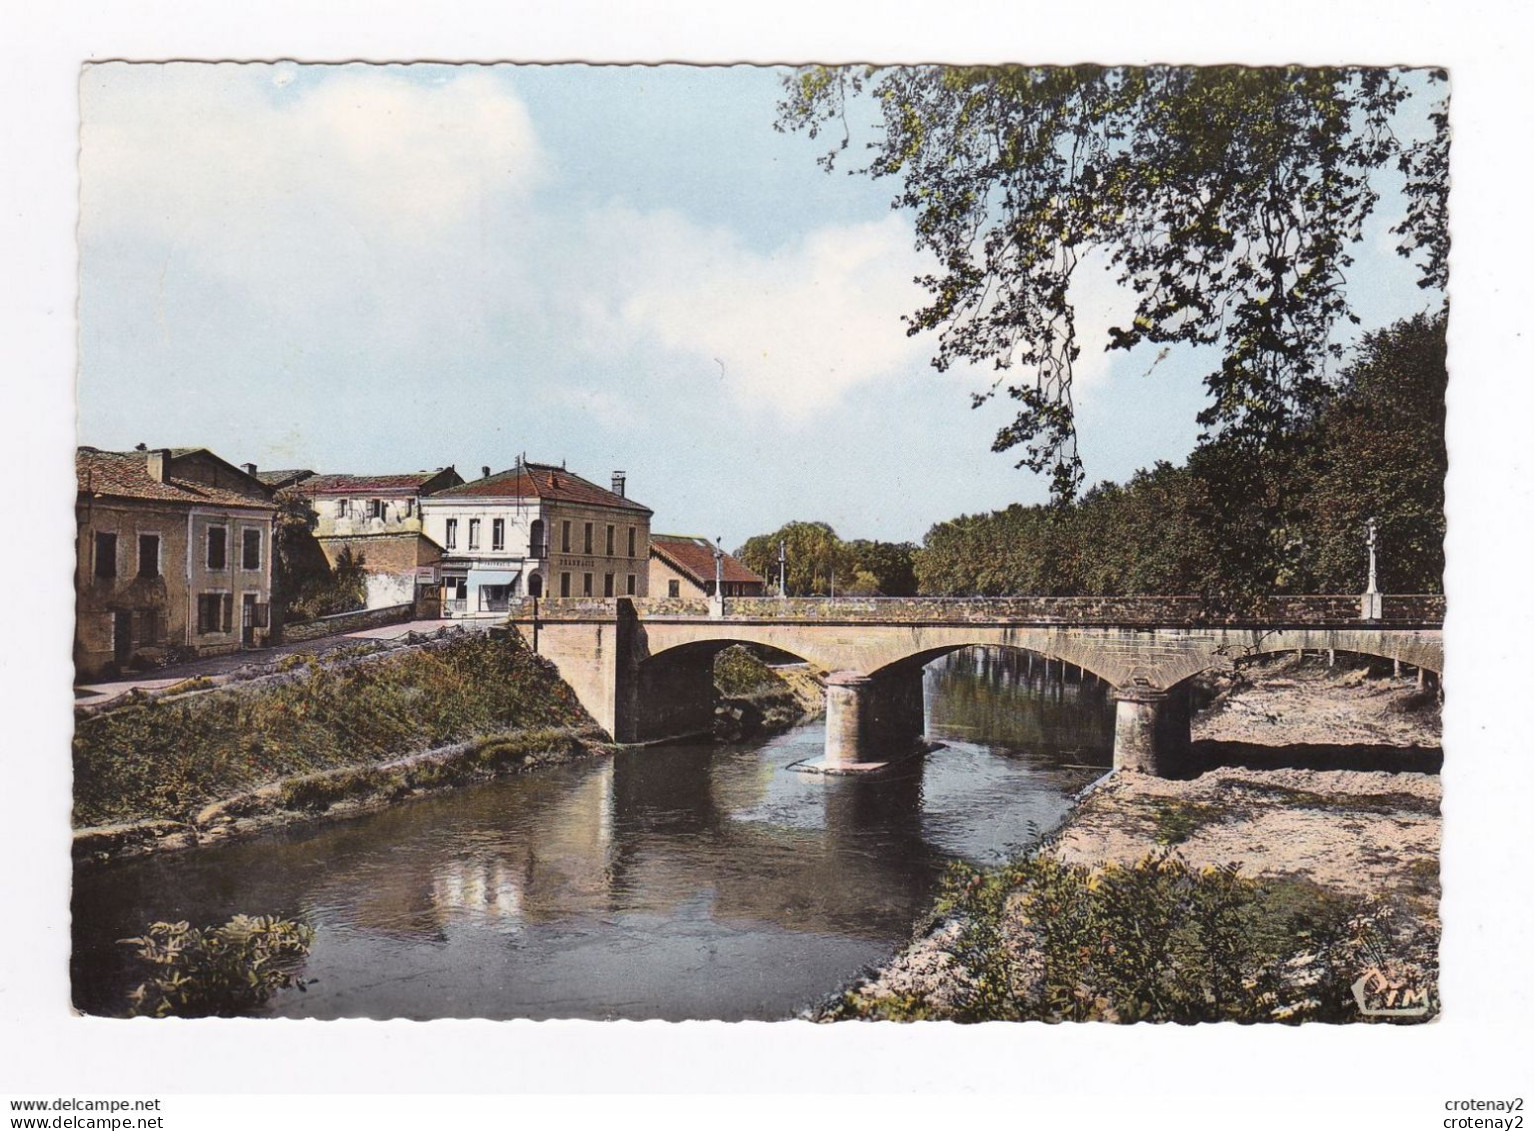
x=818 y=560
x=1381 y=454
x=1227 y=200
x=1231 y=523
x=304 y=585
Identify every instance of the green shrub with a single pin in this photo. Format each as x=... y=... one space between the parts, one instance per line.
x=1152 y=941
x=218 y=971
x=738 y=672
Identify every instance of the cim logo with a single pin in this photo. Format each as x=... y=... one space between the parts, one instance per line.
x=1379 y=995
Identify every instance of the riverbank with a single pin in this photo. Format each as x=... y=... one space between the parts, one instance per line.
x=757 y=699
x=317 y=735
x=341 y=733
x=1252 y=893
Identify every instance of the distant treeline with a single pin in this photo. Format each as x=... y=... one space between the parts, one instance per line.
x=1288 y=517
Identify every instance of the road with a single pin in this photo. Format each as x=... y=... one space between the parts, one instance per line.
x=219 y=668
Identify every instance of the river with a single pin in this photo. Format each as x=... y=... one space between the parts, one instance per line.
x=685 y=881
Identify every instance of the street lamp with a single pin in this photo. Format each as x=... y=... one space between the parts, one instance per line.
x=1372 y=604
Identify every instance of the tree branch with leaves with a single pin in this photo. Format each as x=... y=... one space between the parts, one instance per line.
x=1227 y=200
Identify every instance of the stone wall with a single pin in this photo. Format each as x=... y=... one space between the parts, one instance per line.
x=342 y=623
x=1425 y=610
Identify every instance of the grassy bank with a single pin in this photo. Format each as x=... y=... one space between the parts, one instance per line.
x=169 y=758
x=757 y=698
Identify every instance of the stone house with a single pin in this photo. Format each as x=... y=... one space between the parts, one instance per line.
x=536 y=530
x=378 y=517
x=173 y=557
x=683 y=566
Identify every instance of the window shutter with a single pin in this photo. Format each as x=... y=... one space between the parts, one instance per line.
x=228 y=612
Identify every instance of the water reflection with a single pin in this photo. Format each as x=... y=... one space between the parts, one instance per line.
x=682 y=881
x=1016 y=702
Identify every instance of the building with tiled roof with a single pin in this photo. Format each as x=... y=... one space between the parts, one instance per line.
x=173 y=556
x=537 y=529
x=285 y=478
x=682 y=565
x=378 y=518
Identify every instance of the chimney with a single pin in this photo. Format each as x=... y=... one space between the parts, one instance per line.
x=159 y=465
x=484 y=472
x=250 y=469
x=620 y=481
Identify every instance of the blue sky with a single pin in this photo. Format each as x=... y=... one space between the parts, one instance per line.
x=368 y=269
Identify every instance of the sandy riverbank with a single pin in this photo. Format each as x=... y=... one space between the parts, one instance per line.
x=1357 y=850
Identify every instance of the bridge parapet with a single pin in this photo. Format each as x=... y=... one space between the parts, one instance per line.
x=1414 y=610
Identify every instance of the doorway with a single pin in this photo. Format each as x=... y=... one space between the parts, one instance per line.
x=122 y=637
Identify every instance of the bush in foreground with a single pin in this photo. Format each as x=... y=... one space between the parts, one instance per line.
x=1152 y=941
x=218 y=971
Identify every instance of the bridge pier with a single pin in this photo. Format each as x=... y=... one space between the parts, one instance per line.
x=871 y=720
x=849 y=708
x=1152 y=732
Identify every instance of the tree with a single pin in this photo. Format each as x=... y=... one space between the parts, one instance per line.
x=814 y=557
x=1239 y=521
x=884 y=569
x=348 y=588
x=299 y=566
x=1381 y=454
x=1226 y=199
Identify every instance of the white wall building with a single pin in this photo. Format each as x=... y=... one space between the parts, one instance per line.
x=536 y=530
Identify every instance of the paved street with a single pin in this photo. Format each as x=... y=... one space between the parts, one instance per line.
x=219 y=668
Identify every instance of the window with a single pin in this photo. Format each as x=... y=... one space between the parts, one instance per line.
x=452 y=534
x=631 y=585
x=375 y=508
x=588 y=539
x=340 y=508
x=215 y=612
x=473 y=533
x=149 y=555
x=673 y=588
x=564 y=584
x=586 y=582
x=607 y=585
x=409 y=507
x=610 y=529
x=564 y=539
x=631 y=541
x=250 y=549
x=106 y=555
x=498 y=534
x=218 y=547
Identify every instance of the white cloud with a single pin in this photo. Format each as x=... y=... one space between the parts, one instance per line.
x=790 y=330
x=230 y=158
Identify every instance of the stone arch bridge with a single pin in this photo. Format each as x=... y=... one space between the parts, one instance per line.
x=643 y=667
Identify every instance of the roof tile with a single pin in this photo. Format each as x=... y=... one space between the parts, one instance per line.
x=542 y=481
x=695 y=557
x=126 y=475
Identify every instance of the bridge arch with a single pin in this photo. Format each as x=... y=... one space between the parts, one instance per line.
x=1084 y=659
x=1227 y=648
x=672 y=691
